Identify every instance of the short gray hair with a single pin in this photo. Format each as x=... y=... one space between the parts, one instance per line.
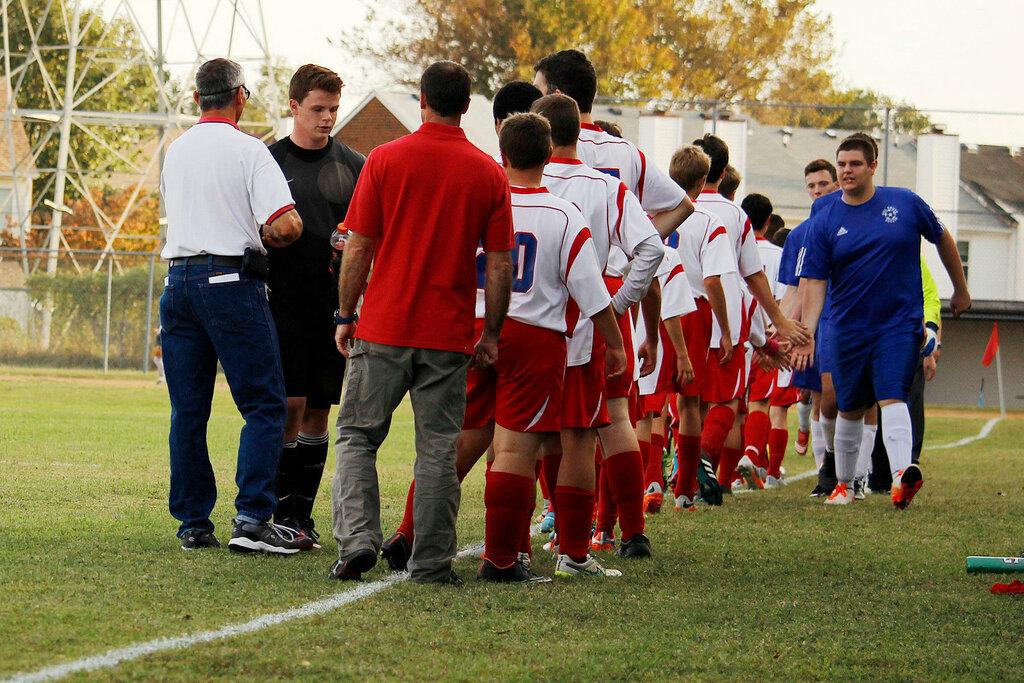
x=217 y=80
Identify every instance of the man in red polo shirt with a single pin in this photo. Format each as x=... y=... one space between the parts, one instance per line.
x=421 y=207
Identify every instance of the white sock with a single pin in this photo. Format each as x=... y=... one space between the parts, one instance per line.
x=817 y=443
x=828 y=427
x=847 y=442
x=897 y=436
x=867 y=446
x=803 y=412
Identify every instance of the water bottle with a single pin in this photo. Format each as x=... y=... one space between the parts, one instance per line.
x=339 y=237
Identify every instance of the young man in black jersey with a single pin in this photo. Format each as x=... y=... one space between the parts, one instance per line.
x=321 y=173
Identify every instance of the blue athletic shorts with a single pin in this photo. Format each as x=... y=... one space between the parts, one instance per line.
x=874 y=365
x=823 y=349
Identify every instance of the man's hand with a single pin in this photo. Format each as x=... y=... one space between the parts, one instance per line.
x=931 y=366
x=725 y=350
x=343 y=336
x=959 y=302
x=614 y=362
x=648 y=354
x=796 y=333
x=803 y=356
x=684 y=371
x=485 y=353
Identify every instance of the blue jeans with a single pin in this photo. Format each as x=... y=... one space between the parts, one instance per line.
x=203 y=322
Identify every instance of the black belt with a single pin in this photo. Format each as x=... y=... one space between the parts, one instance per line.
x=208 y=259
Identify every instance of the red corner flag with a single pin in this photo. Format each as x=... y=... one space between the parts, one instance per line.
x=992 y=347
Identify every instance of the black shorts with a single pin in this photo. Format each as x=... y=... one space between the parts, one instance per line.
x=313 y=367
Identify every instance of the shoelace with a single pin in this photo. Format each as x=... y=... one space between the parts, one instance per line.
x=285 y=532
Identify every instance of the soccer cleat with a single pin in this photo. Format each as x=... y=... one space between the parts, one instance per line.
x=267 y=537
x=353 y=567
x=710 y=489
x=197 y=539
x=819 y=491
x=545 y=508
x=653 y=499
x=771 y=482
x=749 y=474
x=548 y=525
x=636 y=547
x=905 y=486
x=552 y=545
x=396 y=551
x=566 y=567
x=685 y=504
x=517 y=573
x=802 y=439
x=602 y=542
x=673 y=474
x=859 y=488
x=841 y=495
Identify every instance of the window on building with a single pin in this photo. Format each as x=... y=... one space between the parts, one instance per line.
x=964 y=247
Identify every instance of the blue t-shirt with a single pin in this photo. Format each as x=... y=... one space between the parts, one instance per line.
x=871 y=256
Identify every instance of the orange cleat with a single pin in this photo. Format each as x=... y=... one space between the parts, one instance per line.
x=905 y=486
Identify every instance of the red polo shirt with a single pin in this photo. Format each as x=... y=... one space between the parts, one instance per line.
x=430 y=199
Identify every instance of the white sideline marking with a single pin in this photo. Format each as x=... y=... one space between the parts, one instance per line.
x=112 y=658
x=986 y=429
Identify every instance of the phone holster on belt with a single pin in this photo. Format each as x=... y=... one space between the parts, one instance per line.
x=256 y=264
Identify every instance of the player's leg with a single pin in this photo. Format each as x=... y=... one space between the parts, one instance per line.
x=803 y=412
x=688 y=448
x=778 y=439
x=828 y=412
x=853 y=392
x=894 y=360
x=753 y=466
x=867 y=446
x=625 y=474
x=732 y=453
x=297 y=353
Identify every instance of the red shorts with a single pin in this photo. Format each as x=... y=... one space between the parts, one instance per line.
x=621 y=385
x=584 y=402
x=522 y=391
x=785 y=396
x=761 y=383
x=725 y=383
x=654 y=404
x=697 y=331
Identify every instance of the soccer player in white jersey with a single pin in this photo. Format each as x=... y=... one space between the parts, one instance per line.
x=617 y=222
x=707 y=259
x=672 y=371
x=725 y=383
x=769 y=394
x=519 y=399
x=864 y=247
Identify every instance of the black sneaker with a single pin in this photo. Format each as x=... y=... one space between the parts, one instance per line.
x=268 y=538
x=819 y=491
x=397 y=551
x=195 y=539
x=306 y=527
x=637 y=546
x=353 y=567
x=710 y=489
x=517 y=573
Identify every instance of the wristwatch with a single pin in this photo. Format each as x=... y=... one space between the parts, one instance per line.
x=340 y=320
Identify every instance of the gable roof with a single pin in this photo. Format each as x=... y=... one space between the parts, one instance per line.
x=996 y=172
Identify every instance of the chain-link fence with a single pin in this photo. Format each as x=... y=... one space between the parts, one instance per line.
x=84 y=308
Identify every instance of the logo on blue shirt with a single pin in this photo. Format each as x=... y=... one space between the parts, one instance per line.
x=842 y=231
x=891 y=214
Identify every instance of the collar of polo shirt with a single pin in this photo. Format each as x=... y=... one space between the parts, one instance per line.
x=218 y=119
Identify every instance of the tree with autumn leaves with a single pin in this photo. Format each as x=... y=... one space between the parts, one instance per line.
x=726 y=50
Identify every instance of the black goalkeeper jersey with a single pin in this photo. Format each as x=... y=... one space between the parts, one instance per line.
x=304 y=275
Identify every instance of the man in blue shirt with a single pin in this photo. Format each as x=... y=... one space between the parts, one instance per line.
x=865 y=248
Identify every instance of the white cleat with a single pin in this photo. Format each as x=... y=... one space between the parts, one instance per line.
x=771 y=482
x=750 y=474
x=685 y=504
x=841 y=495
x=567 y=568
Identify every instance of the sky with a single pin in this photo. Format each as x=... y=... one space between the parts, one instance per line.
x=935 y=54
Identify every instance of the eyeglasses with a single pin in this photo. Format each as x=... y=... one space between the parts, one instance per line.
x=245 y=91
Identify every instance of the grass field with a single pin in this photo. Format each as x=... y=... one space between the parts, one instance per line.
x=771 y=585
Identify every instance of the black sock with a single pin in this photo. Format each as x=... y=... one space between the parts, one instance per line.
x=311 y=456
x=286 y=482
x=827 y=474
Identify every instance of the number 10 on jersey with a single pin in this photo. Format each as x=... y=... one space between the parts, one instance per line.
x=524 y=258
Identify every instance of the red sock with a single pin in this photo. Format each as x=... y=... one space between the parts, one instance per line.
x=606 y=512
x=727 y=468
x=626 y=480
x=542 y=478
x=406 y=528
x=689 y=459
x=525 y=546
x=657 y=451
x=717 y=425
x=573 y=512
x=777 y=440
x=550 y=465
x=646 y=454
x=755 y=436
x=507 y=502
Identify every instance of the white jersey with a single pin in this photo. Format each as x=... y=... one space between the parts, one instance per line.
x=624 y=160
x=748 y=261
x=676 y=301
x=771 y=257
x=553 y=259
x=703 y=245
x=617 y=223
